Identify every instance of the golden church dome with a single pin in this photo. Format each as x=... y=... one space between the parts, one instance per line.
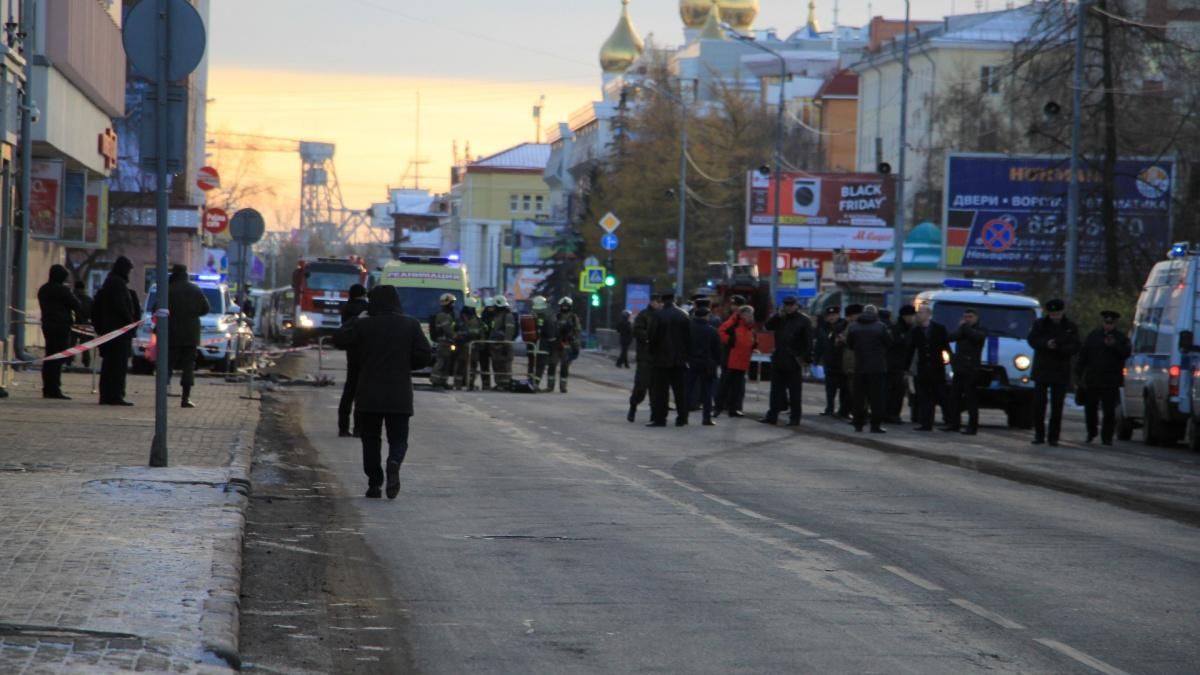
x=623 y=47
x=712 y=25
x=737 y=13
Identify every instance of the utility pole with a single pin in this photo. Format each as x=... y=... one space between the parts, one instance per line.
x=683 y=169
x=28 y=48
x=901 y=224
x=1076 y=163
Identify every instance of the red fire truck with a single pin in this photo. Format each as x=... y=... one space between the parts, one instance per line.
x=321 y=286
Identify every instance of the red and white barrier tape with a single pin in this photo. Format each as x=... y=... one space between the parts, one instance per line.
x=76 y=351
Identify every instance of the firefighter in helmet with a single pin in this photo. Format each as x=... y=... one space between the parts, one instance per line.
x=469 y=329
x=443 y=329
x=503 y=332
x=570 y=334
x=547 y=349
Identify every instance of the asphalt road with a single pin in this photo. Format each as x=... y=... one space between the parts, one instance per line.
x=543 y=533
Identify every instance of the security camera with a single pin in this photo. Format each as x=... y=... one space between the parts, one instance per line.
x=35 y=113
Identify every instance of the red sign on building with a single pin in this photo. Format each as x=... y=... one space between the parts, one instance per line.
x=215 y=221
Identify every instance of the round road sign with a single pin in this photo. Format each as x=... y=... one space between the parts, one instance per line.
x=247 y=226
x=207 y=179
x=215 y=220
x=185 y=38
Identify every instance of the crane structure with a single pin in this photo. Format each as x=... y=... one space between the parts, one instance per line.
x=323 y=213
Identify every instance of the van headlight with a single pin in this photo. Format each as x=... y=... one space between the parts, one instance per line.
x=945 y=357
x=1022 y=362
x=306 y=321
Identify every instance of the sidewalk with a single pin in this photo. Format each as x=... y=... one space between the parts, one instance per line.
x=1163 y=481
x=107 y=565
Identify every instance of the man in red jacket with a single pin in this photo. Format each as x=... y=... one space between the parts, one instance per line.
x=737 y=336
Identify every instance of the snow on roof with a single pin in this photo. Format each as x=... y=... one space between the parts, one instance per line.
x=523 y=156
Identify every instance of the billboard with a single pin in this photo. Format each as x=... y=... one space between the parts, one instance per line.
x=45 y=198
x=822 y=211
x=1010 y=212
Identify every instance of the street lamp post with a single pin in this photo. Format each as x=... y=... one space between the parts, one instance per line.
x=777 y=170
x=1076 y=132
x=681 y=247
x=900 y=225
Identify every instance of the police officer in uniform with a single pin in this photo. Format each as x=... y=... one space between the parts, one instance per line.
x=1100 y=369
x=570 y=332
x=115 y=306
x=928 y=344
x=793 y=345
x=468 y=329
x=442 y=329
x=1055 y=339
x=829 y=357
x=503 y=332
x=670 y=345
x=899 y=359
x=969 y=339
x=641 y=376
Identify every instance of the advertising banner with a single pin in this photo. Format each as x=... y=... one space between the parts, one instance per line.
x=1006 y=212
x=74 y=206
x=45 y=199
x=637 y=297
x=95 y=227
x=822 y=211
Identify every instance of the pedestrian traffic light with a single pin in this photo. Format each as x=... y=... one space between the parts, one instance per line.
x=610 y=281
x=595 y=299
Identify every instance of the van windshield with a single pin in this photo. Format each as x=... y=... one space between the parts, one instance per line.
x=998 y=320
x=423 y=303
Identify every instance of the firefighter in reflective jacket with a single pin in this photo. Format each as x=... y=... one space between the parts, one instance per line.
x=443 y=330
x=570 y=332
x=547 y=350
x=503 y=332
x=469 y=329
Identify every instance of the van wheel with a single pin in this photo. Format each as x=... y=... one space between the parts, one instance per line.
x=1153 y=432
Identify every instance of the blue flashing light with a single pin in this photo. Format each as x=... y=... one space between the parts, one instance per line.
x=453 y=257
x=958 y=283
x=208 y=277
x=985 y=285
x=1178 y=250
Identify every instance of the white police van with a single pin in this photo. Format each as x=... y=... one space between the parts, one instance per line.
x=1158 y=396
x=1006 y=317
x=226 y=338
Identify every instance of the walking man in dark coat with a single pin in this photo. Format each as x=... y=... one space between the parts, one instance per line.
x=115 y=307
x=59 y=308
x=641 y=376
x=829 y=354
x=1100 y=370
x=1055 y=339
x=703 y=359
x=968 y=340
x=670 y=346
x=869 y=338
x=354 y=307
x=188 y=305
x=793 y=350
x=928 y=344
x=390 y=345
x=625 y=336
x=899 y=360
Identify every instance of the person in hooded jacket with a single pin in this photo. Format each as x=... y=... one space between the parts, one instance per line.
x=869 y=338
x=188 y=304
x=793 y=350
x=115 y=307
x=1055 y=340
x=355 y=307
x=703 y=358
x=738 y=338
x=59 y=310
x=391 y=346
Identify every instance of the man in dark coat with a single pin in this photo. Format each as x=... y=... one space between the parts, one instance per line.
x=793 y=350
x=625 y=337
x=670 y=346
x=390 y=345
x=829 y=356
x=641 y=376
x=703 y=359
x=354 y=307
x=188 y=305
x=869 y=338
x=1100 y=369
x=115 y=307
x=83 y=316
x=928 y=344
x=899 y=360
x=969 y=339
x=1055 y=339
x=59 y=308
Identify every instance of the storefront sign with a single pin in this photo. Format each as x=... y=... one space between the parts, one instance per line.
x=106 y=146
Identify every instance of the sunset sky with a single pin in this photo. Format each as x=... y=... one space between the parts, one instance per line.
x=349 y=71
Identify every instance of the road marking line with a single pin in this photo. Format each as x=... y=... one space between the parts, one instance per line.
x=662 y=474
x=556 y=433
x=752 y=514
x=912 y=578
x=718 y=500
x=642 y=466
x=798 y=530
x=845 y=547
x=601 y=450
x=686 y=486
x=622 y=457
x=572 y=439
x=987 y=614
x=1079 y=656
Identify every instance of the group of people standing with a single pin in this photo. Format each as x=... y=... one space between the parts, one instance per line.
x=116 y=305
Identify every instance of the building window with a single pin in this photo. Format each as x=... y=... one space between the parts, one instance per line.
x=512 y=203
x=527 y=202
x=989 y=79
x=541 y=203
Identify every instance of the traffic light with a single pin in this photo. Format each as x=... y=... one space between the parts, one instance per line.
x=595 y=299
x=610 y=281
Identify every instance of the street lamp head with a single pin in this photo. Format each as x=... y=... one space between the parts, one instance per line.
x=764 y=170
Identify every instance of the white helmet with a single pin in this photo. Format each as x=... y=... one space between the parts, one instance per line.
x=566 y=302
x=539 y=303
x=447 y=299
x=501 y=301
x=489 y=302
x=471 y=303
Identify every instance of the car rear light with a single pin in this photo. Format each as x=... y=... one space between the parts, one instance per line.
x=1173 y=385
x=1125 y=371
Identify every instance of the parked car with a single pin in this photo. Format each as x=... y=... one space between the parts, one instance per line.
x=225 y=334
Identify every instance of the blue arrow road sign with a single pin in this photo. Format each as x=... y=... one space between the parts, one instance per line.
x=609 y=242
